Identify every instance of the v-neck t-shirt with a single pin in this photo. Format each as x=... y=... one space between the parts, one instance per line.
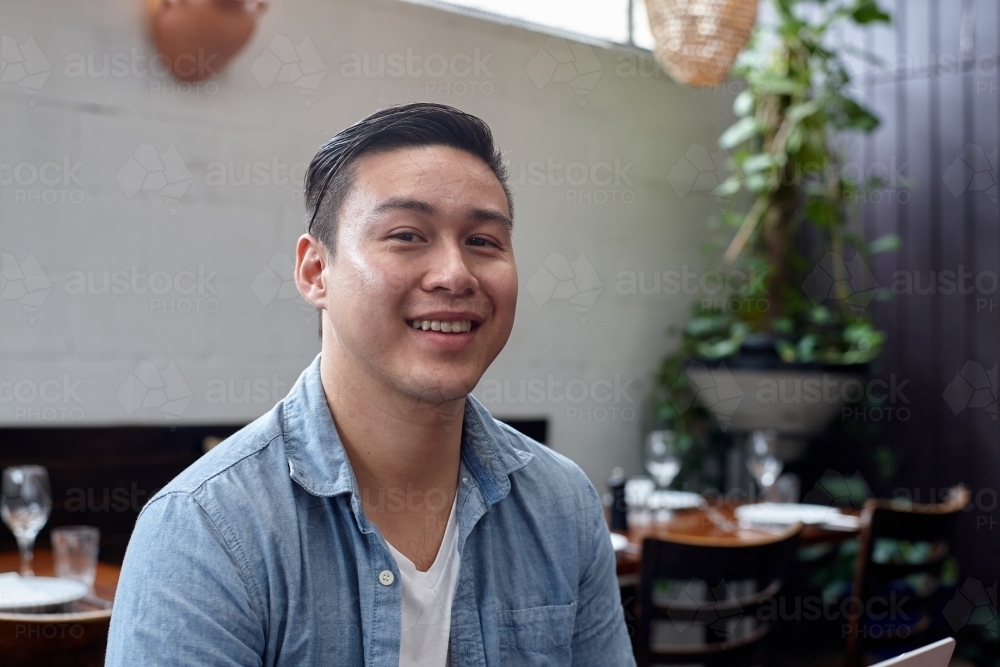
x=427 y=598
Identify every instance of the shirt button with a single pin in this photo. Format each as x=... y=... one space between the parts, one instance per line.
x=386 y=578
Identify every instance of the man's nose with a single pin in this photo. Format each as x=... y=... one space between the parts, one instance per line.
x=449 y=270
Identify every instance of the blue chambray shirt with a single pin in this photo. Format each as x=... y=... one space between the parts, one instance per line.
x=260 y=554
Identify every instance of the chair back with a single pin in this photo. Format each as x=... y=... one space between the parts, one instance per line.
x=708 y=610
x=77 y=639
x=902 y=552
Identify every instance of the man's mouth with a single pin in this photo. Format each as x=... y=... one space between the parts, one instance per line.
x=444 y=326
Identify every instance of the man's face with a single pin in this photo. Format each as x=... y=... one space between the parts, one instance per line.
x=422 y=286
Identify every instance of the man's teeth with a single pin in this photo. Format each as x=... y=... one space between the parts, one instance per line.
x=460 y=326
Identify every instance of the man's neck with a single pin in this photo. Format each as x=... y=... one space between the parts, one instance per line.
x=405 y=455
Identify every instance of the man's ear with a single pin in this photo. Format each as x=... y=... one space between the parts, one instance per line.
x=310 y=260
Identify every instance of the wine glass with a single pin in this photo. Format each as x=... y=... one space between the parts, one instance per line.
x=761 y=460
x=662 y=460
x=25 y=504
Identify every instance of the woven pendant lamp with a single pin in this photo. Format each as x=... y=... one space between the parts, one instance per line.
x=697 y=41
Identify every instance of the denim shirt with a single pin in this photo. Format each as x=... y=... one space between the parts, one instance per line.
x=260 y=554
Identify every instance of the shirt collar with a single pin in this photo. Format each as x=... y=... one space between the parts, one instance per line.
x=318 y=463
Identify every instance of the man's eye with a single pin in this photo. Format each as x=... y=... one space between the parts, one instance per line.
x=405 y=236
x=480 y=242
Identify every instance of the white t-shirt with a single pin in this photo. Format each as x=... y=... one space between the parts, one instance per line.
x=427 y=598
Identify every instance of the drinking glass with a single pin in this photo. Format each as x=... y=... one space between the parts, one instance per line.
x=25 y=504
x=761 y=460
x=74 y=550
x=662 y=459
x=786 y=489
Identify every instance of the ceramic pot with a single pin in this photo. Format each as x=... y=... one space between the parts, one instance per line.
x=197 y=38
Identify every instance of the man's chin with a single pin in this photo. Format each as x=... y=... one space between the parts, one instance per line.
x=432 y=391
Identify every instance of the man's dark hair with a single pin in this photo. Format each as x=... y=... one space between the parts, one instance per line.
x=331 y=172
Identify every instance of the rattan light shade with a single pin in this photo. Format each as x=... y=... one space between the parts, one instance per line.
x=698 y=40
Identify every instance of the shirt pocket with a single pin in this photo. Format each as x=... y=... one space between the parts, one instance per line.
x=537 y=636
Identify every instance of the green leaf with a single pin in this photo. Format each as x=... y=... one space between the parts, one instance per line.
x=724 y=348
x=857 y=117
x=884 y=243
x=820 y=315
x=806 y=346
x=868 y=11
x=743 y=104
x=794 y=142
x=757 y=163
x=699 y=326
x=739 y=331
x=797 y=112
x=738 y=132
x=784 y=325
x=756 y=183
x=785 y=350
x=727 y=188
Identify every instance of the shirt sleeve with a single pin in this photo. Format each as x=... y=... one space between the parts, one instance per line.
x=600 y=637
x=183 y=598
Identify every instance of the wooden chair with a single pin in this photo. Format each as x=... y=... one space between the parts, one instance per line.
x=883 y=580
x=75 y=639
x=732 y=582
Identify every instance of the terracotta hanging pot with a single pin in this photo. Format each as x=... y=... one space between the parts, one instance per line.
x=197 y=38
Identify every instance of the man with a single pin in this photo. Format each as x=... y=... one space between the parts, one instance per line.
x=378 y=515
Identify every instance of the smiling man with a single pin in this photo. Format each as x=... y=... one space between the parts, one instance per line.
x=378 y=515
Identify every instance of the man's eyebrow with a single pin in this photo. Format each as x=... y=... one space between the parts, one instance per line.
x=410 y=204
x=490 y=215
x=405 y=204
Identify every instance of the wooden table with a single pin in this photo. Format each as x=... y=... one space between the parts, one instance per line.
x=711 y=528
x=76 y=637
x=105 y=583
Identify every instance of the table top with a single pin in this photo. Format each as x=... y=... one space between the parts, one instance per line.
x=105 y=582
x=715 y=526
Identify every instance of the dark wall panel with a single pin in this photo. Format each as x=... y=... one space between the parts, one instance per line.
x=940 y=106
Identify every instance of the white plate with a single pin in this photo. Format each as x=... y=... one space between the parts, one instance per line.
x=618 y=542
x=675 y=500
x=787 y=513
x=17 y=592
